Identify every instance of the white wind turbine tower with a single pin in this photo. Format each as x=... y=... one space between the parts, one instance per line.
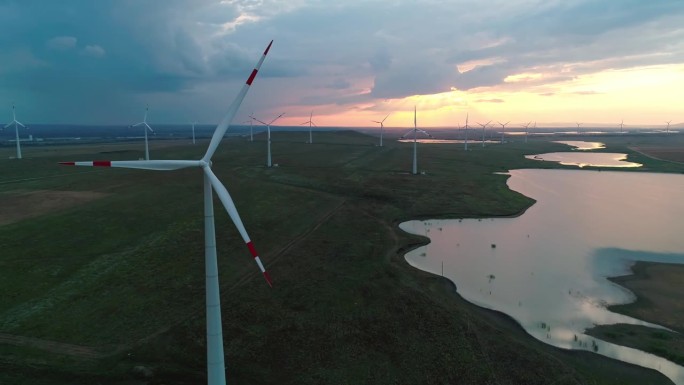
x=622 y=124
x=193 y=132
x=667 y=130
x=415 y=141
x=16 y=130
x=382 y=126
x=578 y=127
x=527 y=130
x=268 y=140
x=216 y=369
x=147 y=127
x=483 y=130
x=251 y=131
x=465 y=143
x=310 y=122
x=503 y=129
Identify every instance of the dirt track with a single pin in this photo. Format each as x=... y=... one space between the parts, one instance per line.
x=19 y=204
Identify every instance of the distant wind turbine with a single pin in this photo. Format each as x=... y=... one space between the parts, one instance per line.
x=503 y=129
x=16 y=130
x=483 y=131
x=268 y=139
x=415 y=131
x=667 y=130
x=382 y=126
x=465 y=143
x=193 y=132
x=527 y=130
x=310 y=122
x=622 y=124
x=251 y=133
x=216 y=368
x=147 y=127
x=578 y=127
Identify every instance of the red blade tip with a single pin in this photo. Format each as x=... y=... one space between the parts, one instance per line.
x=269 y=47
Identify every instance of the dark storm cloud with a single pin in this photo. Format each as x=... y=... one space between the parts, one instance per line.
x=125 y=51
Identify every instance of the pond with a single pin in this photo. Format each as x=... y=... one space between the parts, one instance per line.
x=547 y=268
x=584 y=159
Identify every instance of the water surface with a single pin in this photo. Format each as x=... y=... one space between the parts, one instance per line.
x=547 y=268
x=584 y=159
x=582 y=145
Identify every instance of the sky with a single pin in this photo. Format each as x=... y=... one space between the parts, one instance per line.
x=346 y=62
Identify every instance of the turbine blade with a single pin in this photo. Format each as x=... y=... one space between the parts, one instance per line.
x=303 y=123
x=227 y=201
x=314 y=124
x=232 y=110
x=19 y=123
x=264 y=123
x=157 y=165
x=375 y=121
x=8 y=124
x=149 y=128
x=136 y=125
x=383 y=121
x=409 y=131
x=277 y=117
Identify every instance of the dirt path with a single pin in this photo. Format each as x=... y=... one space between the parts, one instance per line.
x=86 y=352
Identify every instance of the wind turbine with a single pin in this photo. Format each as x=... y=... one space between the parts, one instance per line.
x=483 y=130
x=415 y=142
x=667 y=130
x=622 y=123
x=527 y=131
x=193 y=132
x=310 y=123
x=16 y=130
x=466 y=134
x=251 y=132
x=503 y=126
x=216 y=370
x=382 y=126
x=268 y=141
x=147 y=127
x=578 y=127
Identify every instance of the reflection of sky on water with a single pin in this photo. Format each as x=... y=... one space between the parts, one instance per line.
x=583 y=159
x=581 y=145
x=437 y=141
x=547 y=268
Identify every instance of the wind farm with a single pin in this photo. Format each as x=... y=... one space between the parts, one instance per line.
x=542 y=250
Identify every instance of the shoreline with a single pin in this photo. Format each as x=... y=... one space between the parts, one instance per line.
x=639 y=271
x=653 y=285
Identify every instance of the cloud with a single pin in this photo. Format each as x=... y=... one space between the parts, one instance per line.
x=490 y=101
x=61 y=43
x=342 y=53
x=338 y=84
x=587 y=92
x=93 y=51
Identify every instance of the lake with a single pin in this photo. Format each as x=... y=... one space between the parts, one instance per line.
x=547 y=268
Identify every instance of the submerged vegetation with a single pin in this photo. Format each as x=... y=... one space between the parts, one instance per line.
x=117 y=281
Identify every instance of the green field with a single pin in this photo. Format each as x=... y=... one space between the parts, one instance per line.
x=102 y=270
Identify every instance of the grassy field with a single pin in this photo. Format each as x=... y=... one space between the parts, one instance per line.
x=659 y=287
x=112 y=277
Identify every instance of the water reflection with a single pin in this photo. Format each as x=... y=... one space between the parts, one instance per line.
x=438 y=141
x=547 y=268
x=581 y=145
x=598 y=159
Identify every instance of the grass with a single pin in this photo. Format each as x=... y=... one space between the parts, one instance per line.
x=124 y=273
